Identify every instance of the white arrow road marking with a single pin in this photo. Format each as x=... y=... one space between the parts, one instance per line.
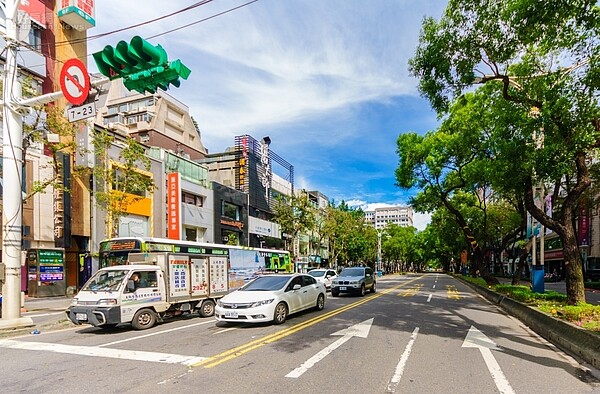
x=391 y=388
x=357 y=330
x=95 y=351
x=477 y=339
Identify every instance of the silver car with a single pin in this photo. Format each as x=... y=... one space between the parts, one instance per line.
x=354 y=280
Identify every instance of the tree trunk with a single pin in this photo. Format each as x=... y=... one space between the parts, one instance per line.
x=573 y=265
x=516 y=279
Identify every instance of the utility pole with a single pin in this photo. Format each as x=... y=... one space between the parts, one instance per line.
x=13 y=109
x=12 y=156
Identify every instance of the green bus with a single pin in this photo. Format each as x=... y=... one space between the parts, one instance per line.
x=243 y=261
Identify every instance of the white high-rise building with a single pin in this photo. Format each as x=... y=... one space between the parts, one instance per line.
x=380 y=217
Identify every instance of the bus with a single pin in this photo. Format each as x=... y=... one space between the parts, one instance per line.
x=244 y=263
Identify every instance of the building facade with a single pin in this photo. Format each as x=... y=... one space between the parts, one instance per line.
x=380 y=217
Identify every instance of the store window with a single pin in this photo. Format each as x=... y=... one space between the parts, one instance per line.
x=230 y=210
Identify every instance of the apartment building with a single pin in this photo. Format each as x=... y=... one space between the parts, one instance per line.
x=380 y=217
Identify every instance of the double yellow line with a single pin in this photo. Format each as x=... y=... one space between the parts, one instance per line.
x=249 y=346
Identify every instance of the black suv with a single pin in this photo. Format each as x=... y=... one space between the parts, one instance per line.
x=354 y=280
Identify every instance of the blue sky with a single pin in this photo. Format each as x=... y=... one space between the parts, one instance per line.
x=326 y=80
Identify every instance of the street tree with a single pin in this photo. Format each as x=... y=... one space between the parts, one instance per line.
x=541 y=60
x=295 y=214
x=122 y=180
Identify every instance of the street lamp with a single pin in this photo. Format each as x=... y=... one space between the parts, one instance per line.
x=379 y=234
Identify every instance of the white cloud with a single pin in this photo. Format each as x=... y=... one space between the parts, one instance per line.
x=316 y=76
x=421 y=220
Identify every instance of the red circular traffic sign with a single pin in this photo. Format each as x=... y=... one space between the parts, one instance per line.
x=75 y=81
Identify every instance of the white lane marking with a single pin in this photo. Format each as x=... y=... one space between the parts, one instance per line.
x=94 y=351
x=434 y=286
x=358 y=330
x=429 y=298
x=157 y=333
x=479 y=340
x=225 y=330
x=391 y=388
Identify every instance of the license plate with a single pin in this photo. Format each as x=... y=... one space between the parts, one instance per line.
x=343 y=288
x=81 y=316
x=231 y=315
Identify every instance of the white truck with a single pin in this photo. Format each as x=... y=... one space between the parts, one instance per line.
x=152 y=287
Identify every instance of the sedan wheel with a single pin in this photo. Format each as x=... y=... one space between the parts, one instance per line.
x=281 y=312
x=320 y=302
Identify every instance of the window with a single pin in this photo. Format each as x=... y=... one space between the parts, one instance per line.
x=230 y=210
x=308 y=280
x=191 y=234
x=35 y=37
x=189 y=198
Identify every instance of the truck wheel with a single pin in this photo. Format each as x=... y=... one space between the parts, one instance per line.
x=143 y=319
x=207 y=309
x=320 y=302
x=281 y=312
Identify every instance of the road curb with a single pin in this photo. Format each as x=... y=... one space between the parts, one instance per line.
x=568 y=337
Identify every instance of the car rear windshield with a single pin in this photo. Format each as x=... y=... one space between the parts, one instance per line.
x=353 y=272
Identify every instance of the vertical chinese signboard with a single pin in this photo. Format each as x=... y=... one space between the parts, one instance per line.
x=174 y=206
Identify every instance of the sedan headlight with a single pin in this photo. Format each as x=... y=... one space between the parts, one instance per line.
x=107 y=301
x=263 y=302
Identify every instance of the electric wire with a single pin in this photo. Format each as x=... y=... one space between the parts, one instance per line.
x=202 y=20
x=100 y=35
x=148 y=22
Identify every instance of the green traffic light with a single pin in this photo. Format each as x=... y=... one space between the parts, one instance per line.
x=144 y=67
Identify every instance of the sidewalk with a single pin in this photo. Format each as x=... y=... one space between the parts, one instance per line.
x=46 y=303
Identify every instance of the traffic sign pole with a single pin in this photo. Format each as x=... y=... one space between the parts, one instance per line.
x=12 y=200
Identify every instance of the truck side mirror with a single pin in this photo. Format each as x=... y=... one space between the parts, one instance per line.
x=130 y=286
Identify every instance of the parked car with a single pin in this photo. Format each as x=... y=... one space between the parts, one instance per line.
x=271 y=298
x=324 y=275
x=354 y=280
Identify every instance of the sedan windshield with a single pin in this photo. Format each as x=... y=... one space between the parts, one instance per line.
x=353 y=272
x=266 y=283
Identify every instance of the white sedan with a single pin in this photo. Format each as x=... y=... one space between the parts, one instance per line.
x=271 y=298
x=324 y=275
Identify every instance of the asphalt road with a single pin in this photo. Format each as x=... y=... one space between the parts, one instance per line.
x=416 y=334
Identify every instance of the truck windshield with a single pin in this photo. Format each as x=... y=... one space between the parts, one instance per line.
x=105 y=280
